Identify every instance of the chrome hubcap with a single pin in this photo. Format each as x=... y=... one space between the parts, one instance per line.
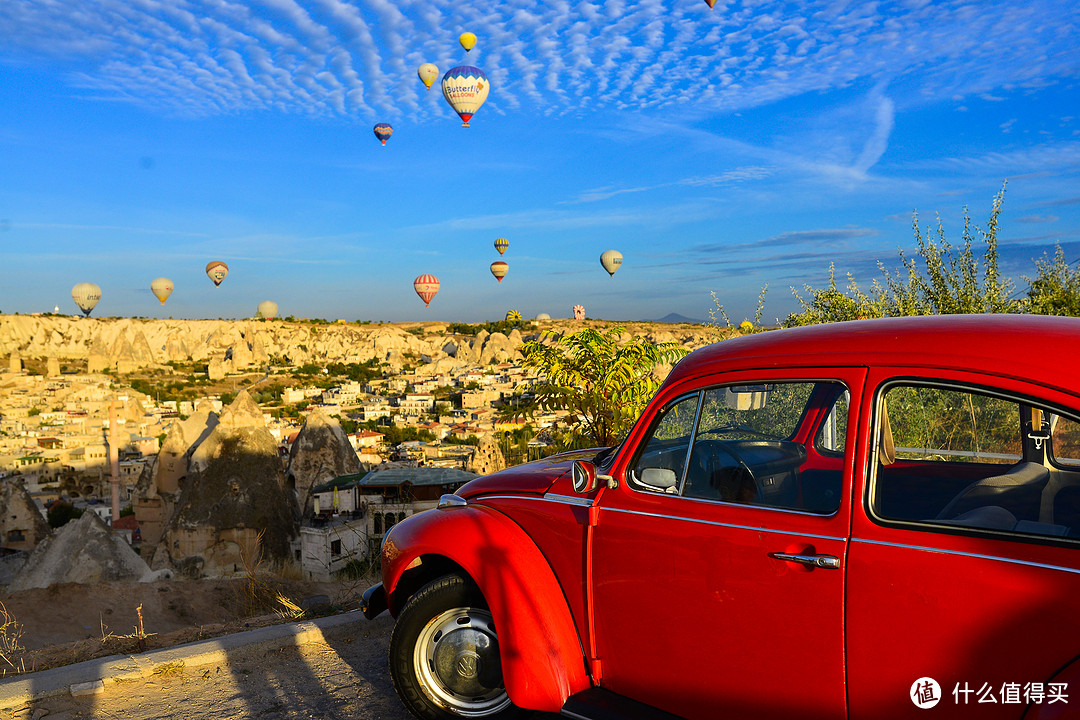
x=457 y=661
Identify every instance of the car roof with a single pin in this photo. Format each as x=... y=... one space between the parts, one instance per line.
x=1025 y=346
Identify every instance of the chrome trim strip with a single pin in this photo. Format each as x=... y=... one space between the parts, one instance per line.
x=727 y=525
x=1013 y=561
x=547 y=497
x=585 y=502
x=568 y=499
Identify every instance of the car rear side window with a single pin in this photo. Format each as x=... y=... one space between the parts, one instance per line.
x=965 y=458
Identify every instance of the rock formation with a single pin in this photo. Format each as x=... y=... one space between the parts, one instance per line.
x=82 y=551
x=21 y=525
x=487 y=459
x=233 y=508
x=137 y=343
x=320 y=453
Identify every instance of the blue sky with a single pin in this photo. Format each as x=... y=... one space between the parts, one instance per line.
x=717 y=150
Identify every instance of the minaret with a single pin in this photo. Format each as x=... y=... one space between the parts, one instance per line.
x=114 y=463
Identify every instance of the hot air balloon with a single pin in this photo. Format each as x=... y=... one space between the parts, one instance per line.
x=579 y=312
x=267 y=309
x=499 y=269
x=501 y=244
x=611 y=260
x=216 y=271
x=465 y=88
x=710 y=3
x=426 y=286
x=162 y=289
x=542 y=316
x=86 y=296
x=513 y=316
x=429 y=73
x=467 y=40
x=383 y=131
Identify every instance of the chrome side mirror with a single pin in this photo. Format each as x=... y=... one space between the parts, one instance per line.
x=586 y=479
x=583 y=475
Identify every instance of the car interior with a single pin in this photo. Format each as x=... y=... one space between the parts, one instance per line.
x=1027 y=492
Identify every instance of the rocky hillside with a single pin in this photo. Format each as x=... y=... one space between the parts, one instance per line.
x=127 y=344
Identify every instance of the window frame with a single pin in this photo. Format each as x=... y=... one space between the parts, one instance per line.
x=869 y=499
x=636 y=486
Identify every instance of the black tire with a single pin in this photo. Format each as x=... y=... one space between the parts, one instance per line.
x=444 y=655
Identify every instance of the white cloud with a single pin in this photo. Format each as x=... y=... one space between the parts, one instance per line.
x=360 y=57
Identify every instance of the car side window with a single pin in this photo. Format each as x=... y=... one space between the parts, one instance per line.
x=957 y=457
x=660 y=465
x=743 y=447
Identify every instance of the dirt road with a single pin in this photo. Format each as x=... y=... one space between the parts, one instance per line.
x=345 y=678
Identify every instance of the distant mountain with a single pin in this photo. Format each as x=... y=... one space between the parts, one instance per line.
x=677 y=318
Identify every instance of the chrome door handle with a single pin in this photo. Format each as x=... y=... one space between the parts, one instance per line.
x=830 y=562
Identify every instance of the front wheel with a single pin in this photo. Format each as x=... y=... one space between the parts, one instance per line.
x=444 y=655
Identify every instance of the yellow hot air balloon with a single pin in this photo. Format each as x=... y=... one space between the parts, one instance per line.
x=268 y=309
x=501 y=244
x=499 y=269
x=428 y=73
x=611 y=260
x=216 y=270
x=710 y=3
x=162 y=288
x=86 y=296
x=467 y=40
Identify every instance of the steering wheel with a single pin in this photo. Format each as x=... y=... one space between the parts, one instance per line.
x=742 y=481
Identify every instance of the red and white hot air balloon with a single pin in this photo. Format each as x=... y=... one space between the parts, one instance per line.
x=499 y=269
x=426 y=286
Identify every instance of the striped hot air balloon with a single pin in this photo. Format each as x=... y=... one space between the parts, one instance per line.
x=426 y=286
x=383 y=131
x=501 y=244
x=513 y=316
x=499 y=269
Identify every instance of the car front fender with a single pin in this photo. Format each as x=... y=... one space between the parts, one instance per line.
x=542 y=658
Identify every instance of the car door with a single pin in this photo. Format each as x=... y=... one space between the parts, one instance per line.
x=964 y=565
x=706 y=596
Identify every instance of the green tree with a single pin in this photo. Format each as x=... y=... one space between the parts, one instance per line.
x=1056 y=289
x=942 y=279
x=603 y=382
x=60 y=512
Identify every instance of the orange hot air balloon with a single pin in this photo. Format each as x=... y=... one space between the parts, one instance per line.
x=499 y=269
x=710 y=3
x=501 y=244
x=426 y=286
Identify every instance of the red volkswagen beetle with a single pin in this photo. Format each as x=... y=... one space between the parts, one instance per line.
x=874 y=519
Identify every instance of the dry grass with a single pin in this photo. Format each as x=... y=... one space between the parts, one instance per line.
x=10 y=642
x=262 y=588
